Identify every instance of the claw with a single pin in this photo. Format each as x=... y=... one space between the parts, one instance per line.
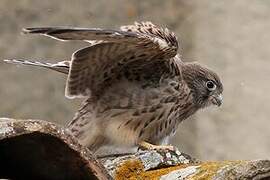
x=147 y=146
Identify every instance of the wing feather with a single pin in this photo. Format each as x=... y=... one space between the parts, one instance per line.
x=143 y=35
x=142 y=49
x=152 y=30
x=62 y=66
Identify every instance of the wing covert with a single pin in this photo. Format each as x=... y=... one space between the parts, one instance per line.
x=135 y=51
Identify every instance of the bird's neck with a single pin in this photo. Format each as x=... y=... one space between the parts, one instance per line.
x=190 y=76
x=189 y=107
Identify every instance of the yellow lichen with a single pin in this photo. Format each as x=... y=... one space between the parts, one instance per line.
x=156 y=174
x=133 y=170
x=130 y=169
x=207 y=170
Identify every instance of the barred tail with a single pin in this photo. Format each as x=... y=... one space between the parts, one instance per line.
x=62 y=66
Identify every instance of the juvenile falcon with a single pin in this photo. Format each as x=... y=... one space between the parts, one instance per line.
x=136 y=88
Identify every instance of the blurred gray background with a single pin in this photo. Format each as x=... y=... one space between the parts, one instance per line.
x=231 y=37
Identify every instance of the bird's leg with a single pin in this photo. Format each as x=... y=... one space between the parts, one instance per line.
x=143 y=145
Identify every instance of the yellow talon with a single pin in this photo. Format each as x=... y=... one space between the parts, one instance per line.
x=143 y=145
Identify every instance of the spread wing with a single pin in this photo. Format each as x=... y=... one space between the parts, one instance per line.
x=138 y=51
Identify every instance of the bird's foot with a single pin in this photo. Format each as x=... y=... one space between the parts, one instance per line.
x=147 y=146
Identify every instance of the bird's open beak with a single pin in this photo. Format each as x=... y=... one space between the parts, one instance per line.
x=217 y=99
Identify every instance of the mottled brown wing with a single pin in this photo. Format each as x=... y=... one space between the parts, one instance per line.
x=96 y=67
x=151 y=37
x=152 y=30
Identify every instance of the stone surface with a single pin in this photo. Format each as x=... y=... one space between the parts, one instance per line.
x=181 y=166
x=132 y=167
x=180 y=173
x=147 y=160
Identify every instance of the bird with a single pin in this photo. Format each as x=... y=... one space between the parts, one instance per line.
x=136 y=89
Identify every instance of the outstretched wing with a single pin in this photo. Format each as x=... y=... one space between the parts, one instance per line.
x=142 y=53
x=143 y=35
x=62 y=66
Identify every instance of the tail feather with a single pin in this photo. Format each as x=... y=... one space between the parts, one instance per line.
x=62 y=66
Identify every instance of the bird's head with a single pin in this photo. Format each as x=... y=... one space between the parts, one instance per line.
x=204 y=84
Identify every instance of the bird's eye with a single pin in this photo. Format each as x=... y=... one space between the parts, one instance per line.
x=211 y=86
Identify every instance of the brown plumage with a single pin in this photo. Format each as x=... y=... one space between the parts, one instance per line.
x=135 y=84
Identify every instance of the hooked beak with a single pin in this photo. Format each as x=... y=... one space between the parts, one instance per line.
x=217 y=99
